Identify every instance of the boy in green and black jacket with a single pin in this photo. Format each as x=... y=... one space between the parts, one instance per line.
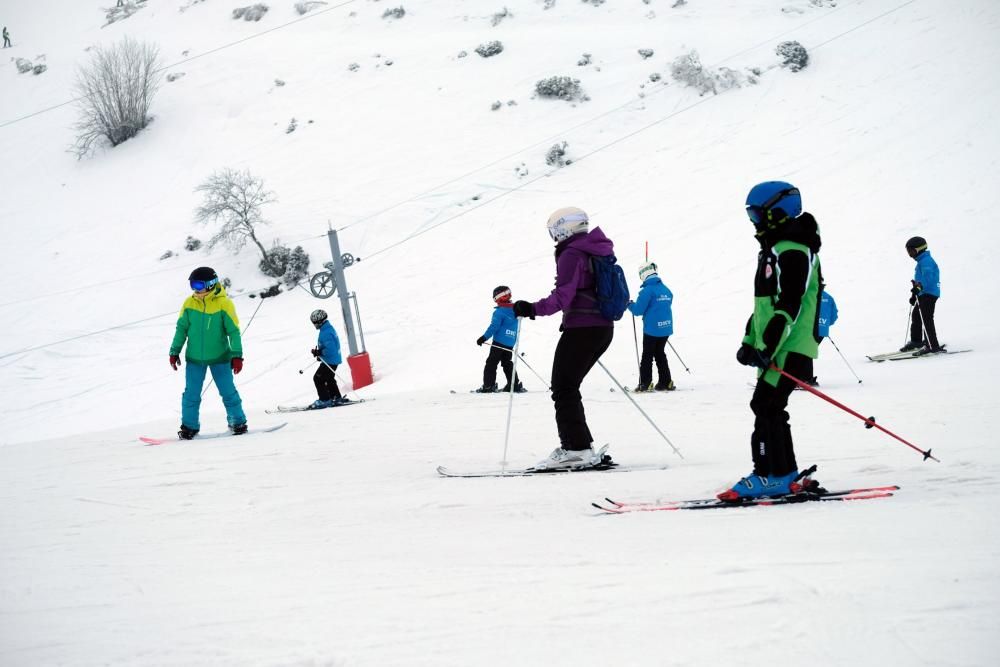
x=781 y=331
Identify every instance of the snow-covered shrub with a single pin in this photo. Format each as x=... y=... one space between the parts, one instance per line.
x=655 y=76
x=251 y=12
x=291 y=266
x=173 y=76
x=500 y=16
x=548 y=4
x=167 y=255
x=646 y=53
x=463 y=54
x=595 y=3
x=584 y=60
x=394 y=13
x=557 y=155
x=292 y=124
x=354 y=67
x=521 y=170
x=191 y=244
x=489 y=49
x=279 y=83
x=496 y=105
x=688 y=70
x=305 y=7
x=38 y=69
x=794 y=55
x=114 y=93
x=123 y=11
x=559 y=87
x=24 y=65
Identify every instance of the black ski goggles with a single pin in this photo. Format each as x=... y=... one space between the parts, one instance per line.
x=204 y=285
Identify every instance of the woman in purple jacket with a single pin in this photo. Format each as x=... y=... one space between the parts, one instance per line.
x=586 y=334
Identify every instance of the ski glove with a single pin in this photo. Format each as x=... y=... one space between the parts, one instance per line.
x=480 y=340
x=175 y=361
x=750 y=356
x=913 y=299
x=524 y=309
x=237 y=364
x=916 y=289
x=315 y=351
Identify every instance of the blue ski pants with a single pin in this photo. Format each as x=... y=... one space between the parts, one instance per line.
x=222 y=374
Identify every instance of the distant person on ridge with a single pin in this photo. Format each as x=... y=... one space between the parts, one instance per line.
x=586 y=334
x=327 y=351
x=211 y=329
x=780 y=332
x=654 y=304
x=924 y=292
x=6 y=37
x=503 y=331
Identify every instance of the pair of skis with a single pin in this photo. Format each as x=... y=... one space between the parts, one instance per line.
x=304 y=408
x=910 y=354
x=610 y=506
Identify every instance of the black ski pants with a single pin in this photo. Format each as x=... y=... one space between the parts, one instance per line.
x=576 y=353
x=923 y=313
x=771 y=442
x=653 y=350
x=326 y=382
x=499 y=354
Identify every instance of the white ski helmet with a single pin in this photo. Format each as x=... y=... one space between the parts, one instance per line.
x=567 y=222
x=647 y=269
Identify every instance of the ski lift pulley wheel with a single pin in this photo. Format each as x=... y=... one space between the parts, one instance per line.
x=323 y=285
x=347 y=259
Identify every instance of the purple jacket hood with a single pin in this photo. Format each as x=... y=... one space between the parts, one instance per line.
x=574 y=292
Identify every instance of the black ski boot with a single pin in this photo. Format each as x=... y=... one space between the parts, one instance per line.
x=186 y=433
x=238 y=429
x=518 y=388
x=487 y=390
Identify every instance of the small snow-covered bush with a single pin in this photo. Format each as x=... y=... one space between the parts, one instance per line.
x=655 y=76
x=292 y=124
x=123 y=11
x=496 y=105
x=688 y=70
x=305 y=7
x=191 y=244
x=38 y=69
x=167 y=255
x=251 y=12
x=354 y=67
x=278 y=83
x=173 y=76
x=794 y=55
x=24 y=65
x=646 y=53
x=557 y=155
x=500 y=16
x=584 y=60
x=595 y=3
x=489 y=49
x=394 y=13
x=291 y=266
x=559 y=87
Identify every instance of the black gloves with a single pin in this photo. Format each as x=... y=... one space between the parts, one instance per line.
x=916 y=289
x=913 y=299
x=480 y=340
x=750 y=356
x=315 y=351
x=524 y=309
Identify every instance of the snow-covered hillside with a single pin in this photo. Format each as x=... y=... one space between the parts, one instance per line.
x=333 y=541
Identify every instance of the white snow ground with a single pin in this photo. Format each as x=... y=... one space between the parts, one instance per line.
x=333 y=541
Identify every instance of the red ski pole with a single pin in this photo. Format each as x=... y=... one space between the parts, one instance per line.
x=869 y=422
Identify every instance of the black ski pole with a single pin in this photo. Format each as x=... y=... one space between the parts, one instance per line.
x=677 y=355
x=845 y=359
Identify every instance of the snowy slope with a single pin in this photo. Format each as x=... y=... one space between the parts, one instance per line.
x=333 y=542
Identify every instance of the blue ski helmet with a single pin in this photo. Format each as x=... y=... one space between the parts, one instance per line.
x=773 y=202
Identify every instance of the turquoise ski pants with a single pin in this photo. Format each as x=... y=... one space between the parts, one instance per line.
x=222 y=374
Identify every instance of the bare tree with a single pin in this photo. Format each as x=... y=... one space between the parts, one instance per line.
x=234 y=199
x=115 y=92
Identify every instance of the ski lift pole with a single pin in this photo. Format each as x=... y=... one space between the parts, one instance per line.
x=677 y=355
x=869 y=422
x=845 y=359
x=643 y=412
